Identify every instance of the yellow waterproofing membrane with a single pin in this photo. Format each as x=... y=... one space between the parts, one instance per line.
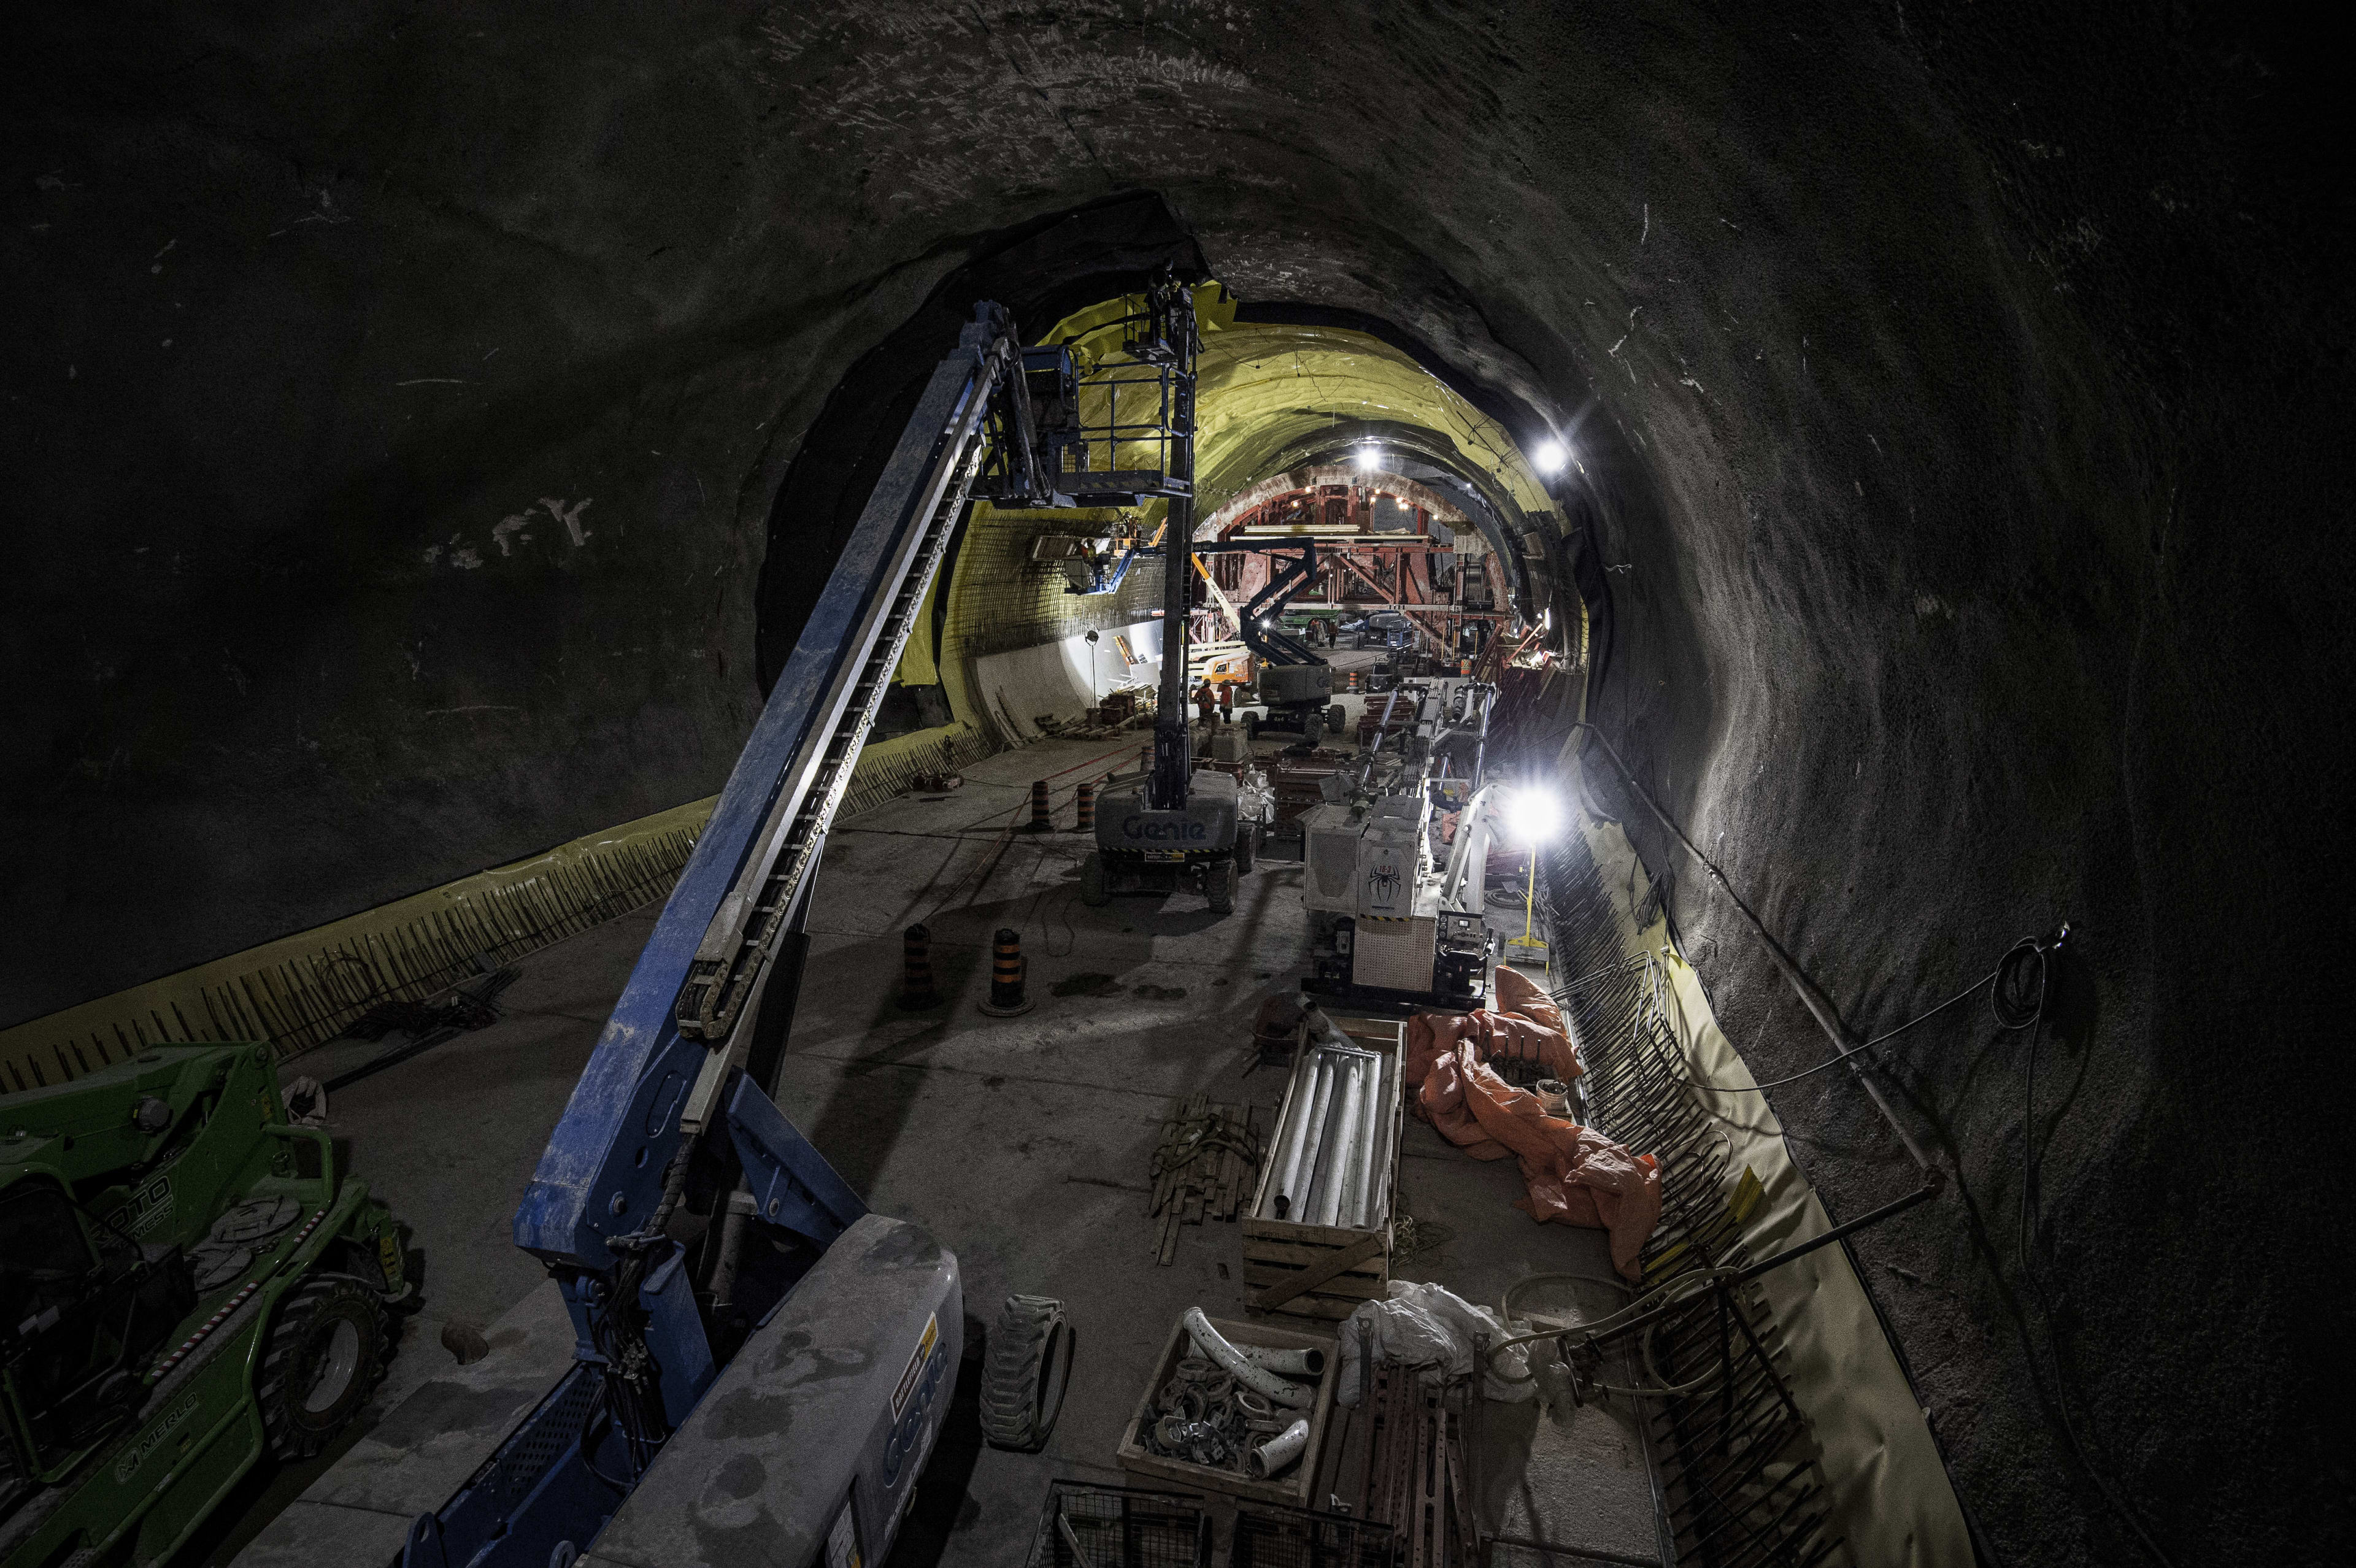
x=1262 y=387
x=302 y=989
x=1888 y=1491
x=1262 y=390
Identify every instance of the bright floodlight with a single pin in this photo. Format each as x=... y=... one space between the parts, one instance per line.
x=1550 y=456
x=1369 y=458
x=1533 y=816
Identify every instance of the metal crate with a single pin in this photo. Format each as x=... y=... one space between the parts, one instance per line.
x=1272 y=1537
x=1120 y=1527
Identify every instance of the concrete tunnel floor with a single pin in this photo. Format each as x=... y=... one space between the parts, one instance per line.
x=1023 y=1144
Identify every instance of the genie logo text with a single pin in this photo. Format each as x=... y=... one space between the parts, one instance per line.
x=1166 y=830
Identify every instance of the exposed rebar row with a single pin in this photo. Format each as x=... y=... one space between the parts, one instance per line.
x=298 y=1004
x=1735 y=1491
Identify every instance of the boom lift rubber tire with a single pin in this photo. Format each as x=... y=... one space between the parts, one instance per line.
x=1247 y=845
x=1093 y=891
x=1337 y=717
x=1219 y=887
x=326 y=1353
x=1023 y=1377
x=1313 y=731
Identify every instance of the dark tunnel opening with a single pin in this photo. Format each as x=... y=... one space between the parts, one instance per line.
x=430 y=428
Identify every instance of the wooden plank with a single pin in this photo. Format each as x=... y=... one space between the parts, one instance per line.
x=1373 y=1271
x=1346 y=1289
x=1297 y=1231
x=1420 y=1554
x=1349 y=1286
x=1312 y=1277
x=1295 y=1257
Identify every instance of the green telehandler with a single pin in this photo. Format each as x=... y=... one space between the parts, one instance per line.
x=187 y=1282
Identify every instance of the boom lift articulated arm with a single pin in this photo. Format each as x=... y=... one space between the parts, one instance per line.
x=681 y=1213
x=1263 y=629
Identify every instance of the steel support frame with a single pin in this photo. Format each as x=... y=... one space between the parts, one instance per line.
x=1393 y=600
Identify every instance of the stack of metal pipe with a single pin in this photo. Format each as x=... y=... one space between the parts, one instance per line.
x=1332 y=1147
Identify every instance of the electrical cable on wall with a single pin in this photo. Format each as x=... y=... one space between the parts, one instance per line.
x=2010 y=1012
x=2020 y=1004
x=2017 y=1002
x=1837 y=1061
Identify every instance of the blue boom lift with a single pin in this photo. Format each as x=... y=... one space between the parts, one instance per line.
x=760 y=1367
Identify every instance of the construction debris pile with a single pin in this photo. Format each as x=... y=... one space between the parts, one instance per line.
x=1435 y=1333
x=1573 y=1173
x=1204 y=1166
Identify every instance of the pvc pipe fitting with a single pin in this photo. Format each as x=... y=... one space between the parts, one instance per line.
x=1215 y=1345
x=1285 y=1200
x=1362 y=1141
x=1307 y=1363
x=1376 y=1208
x=1304 y=1189
x=1331 y=1190
x=1281 y=1450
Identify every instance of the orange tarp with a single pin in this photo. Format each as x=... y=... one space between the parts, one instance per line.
x=1573 y=1173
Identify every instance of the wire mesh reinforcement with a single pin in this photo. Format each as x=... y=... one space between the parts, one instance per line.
x=1085 y=1526
x=1737 y=1489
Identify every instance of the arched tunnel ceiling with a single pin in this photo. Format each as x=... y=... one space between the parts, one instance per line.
x=401 y=396
x=1269 y=397
x=1267 y=392
x=1270 y=393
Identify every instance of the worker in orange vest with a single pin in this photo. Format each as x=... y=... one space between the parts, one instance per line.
x=1207 y=700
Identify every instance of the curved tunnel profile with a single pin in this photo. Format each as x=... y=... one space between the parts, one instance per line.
x=1891 y=454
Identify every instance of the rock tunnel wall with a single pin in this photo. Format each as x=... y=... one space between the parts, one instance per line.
x=400 y=395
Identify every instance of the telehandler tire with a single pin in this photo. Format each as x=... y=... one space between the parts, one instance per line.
x=1024 y=1372
x=326 y=1353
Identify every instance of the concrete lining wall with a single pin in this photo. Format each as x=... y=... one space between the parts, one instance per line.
x=1055 y=680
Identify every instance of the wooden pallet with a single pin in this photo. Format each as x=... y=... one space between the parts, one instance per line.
x=1199 y=1172
x=1325 y=1271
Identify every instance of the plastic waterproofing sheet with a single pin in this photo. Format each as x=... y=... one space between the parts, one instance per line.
x=1888 y=1490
